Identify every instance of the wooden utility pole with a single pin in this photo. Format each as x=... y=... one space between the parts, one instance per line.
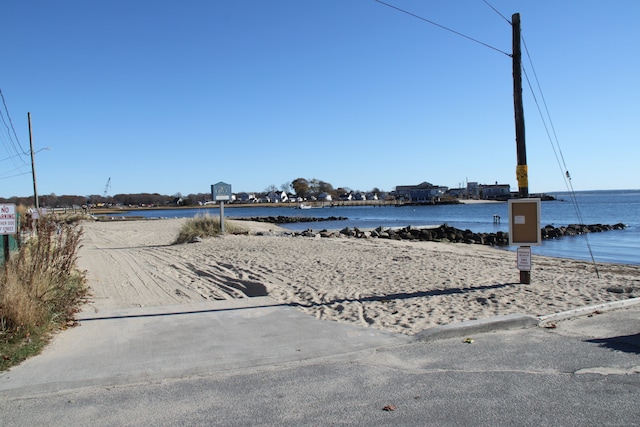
x=33 y=168
x=522 y=173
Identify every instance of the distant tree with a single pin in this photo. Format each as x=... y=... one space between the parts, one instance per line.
x=286 y=187
x=50 y=201
x=300 y=186
x=376 y=190
x=271 y=189
x=68 y=201
x=325 y=187
x=314 y=187
x=194 y=199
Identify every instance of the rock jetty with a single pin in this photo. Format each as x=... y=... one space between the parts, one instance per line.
x=291 y=219
x=445 y=233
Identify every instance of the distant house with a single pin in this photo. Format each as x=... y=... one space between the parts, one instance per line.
x=326 y=197
x=495 y=191
x=473 y=189
x=245 y=197
x=421 y=193
x=371 y=196
x=457 y=192
x=277 y=197
x=294 y=199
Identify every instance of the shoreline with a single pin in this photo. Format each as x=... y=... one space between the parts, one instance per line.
x=290 y=205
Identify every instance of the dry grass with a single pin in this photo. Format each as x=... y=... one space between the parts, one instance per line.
x=206 y=226
x=40 y=287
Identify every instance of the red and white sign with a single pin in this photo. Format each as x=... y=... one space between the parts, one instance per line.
x=8 y=219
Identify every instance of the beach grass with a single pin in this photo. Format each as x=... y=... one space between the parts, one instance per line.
x=40 y=290
x=206 y=226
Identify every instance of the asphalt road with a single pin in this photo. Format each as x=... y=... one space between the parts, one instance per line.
x=267 y=364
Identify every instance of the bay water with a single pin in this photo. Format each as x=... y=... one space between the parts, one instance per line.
x=585 y=207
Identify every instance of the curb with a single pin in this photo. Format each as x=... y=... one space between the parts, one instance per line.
x=607 y=306
x=463 y=329
x=514 y=321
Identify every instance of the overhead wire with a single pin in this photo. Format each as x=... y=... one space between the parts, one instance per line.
x=10 y=140
x=442 y=27
x=560 y=160
x=557 y=153
x=496 y=11
x=4 y=103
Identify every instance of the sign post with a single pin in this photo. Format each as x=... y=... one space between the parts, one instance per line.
x=8 y=225
x=524 y=231
x=221 y=192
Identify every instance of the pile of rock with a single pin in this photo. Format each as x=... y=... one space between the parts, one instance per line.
x=444 y=233
x=291 y=219
x=551 y=232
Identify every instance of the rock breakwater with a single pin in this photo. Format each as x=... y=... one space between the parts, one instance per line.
x=445 y=233
x=291 y=219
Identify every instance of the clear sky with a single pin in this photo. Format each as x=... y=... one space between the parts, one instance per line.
x=173 y=96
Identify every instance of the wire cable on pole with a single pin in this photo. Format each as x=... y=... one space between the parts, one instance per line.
x=560 y=160
x=443 y=27
x=4 y=103
x=557 y=152
x=496 y=11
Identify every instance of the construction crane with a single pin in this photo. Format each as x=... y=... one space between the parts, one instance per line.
x=107 y=188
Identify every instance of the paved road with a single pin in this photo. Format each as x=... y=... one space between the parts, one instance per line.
x=254 y=362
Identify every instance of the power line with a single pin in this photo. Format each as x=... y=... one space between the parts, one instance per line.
x=443 y=27
x=15 y=174
x=12 y=146
x=496 y=11
x=560 y=160
x=4 y=103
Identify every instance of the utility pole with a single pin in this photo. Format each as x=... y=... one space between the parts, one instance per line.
x=521 y=170
x=33 y=167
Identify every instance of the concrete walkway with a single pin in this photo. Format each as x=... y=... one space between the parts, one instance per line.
x=143 y=344
x=256 y=362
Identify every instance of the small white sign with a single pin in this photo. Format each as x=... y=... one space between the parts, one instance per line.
x=524 y=258
x=8 y=219
x=519 y=219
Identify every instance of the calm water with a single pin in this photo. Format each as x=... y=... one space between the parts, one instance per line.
x=604 y=207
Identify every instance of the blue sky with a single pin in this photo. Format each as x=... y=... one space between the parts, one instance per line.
x=167 y=96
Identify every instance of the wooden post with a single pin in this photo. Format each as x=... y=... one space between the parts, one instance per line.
x=522 y=173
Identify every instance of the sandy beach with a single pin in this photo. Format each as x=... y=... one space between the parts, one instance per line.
x=396 y=286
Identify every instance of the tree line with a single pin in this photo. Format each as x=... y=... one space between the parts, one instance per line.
x=300 y=187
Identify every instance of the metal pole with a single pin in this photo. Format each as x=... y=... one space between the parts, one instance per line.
x=522 y=173
x=33 y=167
x=7 y=253
x=222 y=216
